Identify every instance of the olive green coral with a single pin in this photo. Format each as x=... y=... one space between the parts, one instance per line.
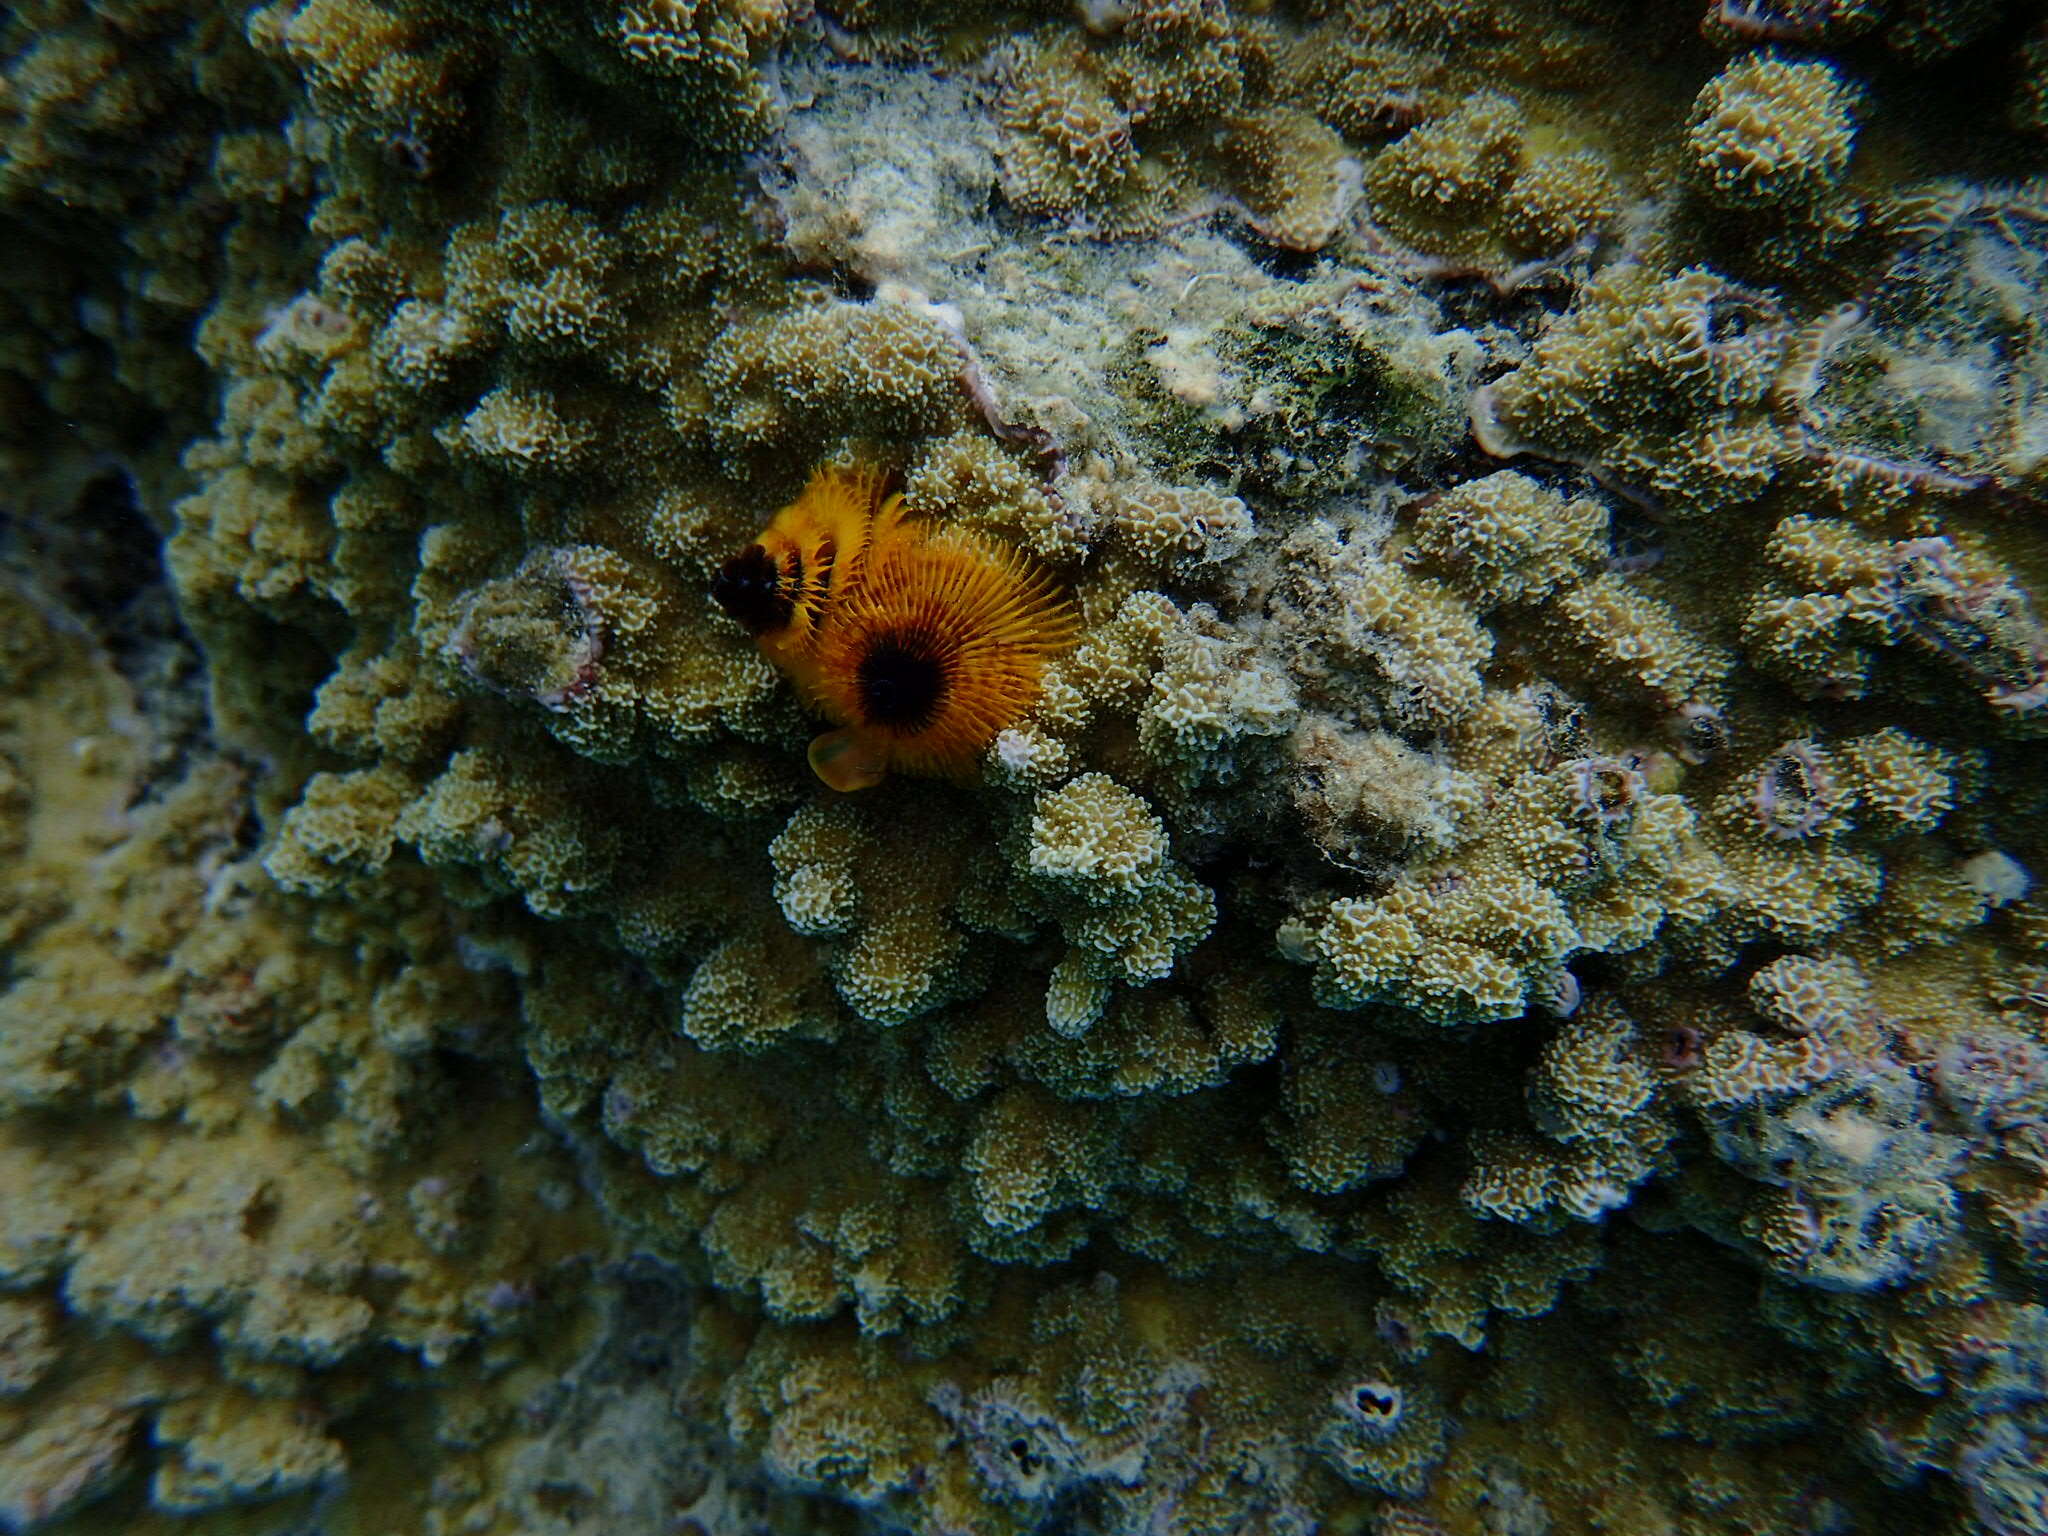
x=1661 y=386
x=1585 y=857
x=1769 y=130
x=1533 y=843
x=1469 y=189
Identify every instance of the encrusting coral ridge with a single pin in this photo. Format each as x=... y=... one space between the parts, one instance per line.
x=1419 y=630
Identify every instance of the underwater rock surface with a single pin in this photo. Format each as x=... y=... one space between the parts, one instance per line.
x=1499 y=985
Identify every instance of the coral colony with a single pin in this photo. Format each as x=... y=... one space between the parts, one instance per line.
x=1159 y=768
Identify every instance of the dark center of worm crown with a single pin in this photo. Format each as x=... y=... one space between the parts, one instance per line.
x=901 y=683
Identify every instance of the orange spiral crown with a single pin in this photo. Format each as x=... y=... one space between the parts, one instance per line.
x=919 y=642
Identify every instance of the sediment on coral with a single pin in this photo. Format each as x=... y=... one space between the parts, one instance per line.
x=1498 y=983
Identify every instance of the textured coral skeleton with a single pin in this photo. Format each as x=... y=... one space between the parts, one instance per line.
x=1483 y=971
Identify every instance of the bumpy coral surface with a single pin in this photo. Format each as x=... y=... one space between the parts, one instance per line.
x=1493 y=981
